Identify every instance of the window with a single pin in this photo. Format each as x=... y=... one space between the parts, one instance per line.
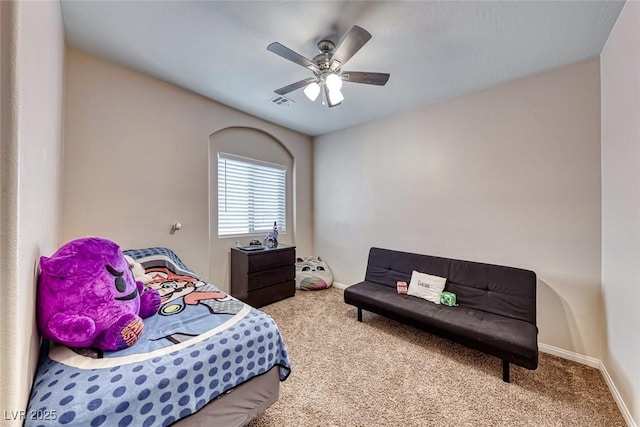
x=251 y=196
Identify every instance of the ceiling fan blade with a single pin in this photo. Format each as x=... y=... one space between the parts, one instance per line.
x=292 y=56
x=294 y=86
x=350 y=44
x=379 y=79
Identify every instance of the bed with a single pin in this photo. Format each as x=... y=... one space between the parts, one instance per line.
x=204 y=359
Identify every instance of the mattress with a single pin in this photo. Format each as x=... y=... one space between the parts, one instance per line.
x=240 y=405
x=201 y=345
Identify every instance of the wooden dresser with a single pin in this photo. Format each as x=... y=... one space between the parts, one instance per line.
x=265 y=276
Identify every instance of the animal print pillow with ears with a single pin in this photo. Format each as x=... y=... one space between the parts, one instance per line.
x=312 y=274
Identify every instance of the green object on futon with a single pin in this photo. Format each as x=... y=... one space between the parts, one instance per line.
x=448 y=298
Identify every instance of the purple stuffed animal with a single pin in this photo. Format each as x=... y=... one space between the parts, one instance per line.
x=87 y=297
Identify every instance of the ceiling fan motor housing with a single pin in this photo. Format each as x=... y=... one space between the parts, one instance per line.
x=326 y=46
x=323 y=59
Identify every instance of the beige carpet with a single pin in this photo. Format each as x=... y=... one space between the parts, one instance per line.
x=382 y=373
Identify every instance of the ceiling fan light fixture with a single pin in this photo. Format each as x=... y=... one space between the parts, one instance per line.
x=333 y=82
x=312 y=91
x=335 y=97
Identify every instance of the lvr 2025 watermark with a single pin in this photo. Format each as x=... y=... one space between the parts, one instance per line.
x=41 y=415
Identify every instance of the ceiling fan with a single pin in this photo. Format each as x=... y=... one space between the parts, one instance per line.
x=327 y=67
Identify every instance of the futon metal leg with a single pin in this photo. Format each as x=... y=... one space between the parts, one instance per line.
x=505 y=371
x=359 y=314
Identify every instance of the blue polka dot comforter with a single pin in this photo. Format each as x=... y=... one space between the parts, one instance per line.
x=200 y=345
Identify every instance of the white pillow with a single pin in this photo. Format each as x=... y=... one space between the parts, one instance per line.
x=426 y=286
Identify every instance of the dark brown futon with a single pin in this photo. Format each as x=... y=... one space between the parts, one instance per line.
x=496 y=312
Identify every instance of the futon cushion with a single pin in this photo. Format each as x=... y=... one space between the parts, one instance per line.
x=505 y=337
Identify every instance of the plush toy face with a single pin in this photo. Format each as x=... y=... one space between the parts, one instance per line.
x=87 y=296
x=312 y=274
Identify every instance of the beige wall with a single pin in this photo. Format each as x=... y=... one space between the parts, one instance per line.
x=136 y=160
x=509 y=175
x=620 y=68
x=32 y=92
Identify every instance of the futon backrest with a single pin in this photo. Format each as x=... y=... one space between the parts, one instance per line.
x=505 y=291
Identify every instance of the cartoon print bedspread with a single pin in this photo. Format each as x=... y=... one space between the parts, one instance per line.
x=201 y=344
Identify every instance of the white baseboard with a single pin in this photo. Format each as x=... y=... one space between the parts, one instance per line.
x=340 y=285
x=594 y=363
x=570 y=355
x=616 y=396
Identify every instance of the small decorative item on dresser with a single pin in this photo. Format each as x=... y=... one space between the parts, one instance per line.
x=271 y=239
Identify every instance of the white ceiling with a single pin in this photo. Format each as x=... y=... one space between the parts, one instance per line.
x=433 y=50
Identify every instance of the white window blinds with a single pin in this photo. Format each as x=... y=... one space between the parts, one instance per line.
x=251 y=196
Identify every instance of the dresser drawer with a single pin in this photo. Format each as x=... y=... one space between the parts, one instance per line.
x=264 y=278
x=270 y=259
x=273 y=293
